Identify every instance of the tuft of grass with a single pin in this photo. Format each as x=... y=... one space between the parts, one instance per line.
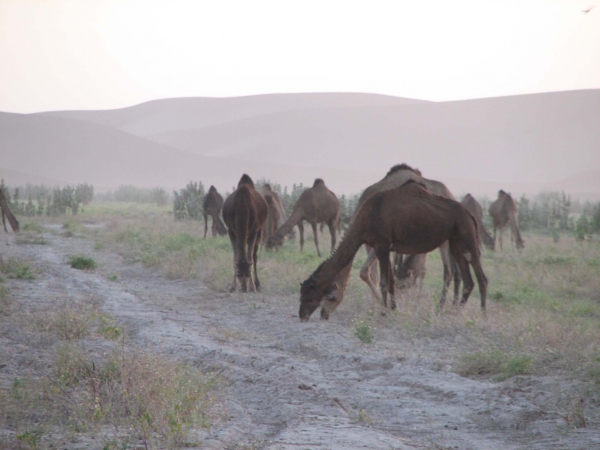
x=16 y=268
x=363 y=331
x=108 y=328
x=496 y=363
x=68 y=321
x=32 y=227
x=28 y=238
x=82 y=262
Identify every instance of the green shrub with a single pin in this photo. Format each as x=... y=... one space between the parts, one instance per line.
x=82 y=262
x=363 y=331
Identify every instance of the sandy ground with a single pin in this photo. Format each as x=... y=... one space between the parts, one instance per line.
x=313 y=385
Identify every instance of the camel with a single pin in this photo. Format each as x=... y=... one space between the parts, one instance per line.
x=396 y=177
x=245 y=214
x=267 y=190
x=6 y=213
x=408 y=220
x=212 y=206
x=409 y=270
x=474 y=208
x=504 y=211
x=273 y=217
x=315 y=205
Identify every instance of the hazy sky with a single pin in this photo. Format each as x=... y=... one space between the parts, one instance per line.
x=85 y=54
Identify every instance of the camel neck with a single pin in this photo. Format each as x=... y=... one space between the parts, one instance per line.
x=343 y=255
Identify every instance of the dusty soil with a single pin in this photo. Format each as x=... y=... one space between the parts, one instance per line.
x=293 y=385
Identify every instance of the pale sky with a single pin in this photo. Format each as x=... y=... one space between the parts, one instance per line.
x=86 y=54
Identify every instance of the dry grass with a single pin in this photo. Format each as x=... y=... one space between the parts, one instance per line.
x=543 y=303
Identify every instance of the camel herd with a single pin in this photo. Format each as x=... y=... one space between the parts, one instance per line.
x=403 y=213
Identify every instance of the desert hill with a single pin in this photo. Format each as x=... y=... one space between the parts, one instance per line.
x=182 y=113
x=522 y=143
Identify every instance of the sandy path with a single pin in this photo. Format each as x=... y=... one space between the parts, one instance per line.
x=306 y=386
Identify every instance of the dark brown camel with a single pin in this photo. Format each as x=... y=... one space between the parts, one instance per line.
x=396 y=177
x=212 y=206
x=409 y=270
x=245 y=214
x=267 y=190
x=407 y=220
x=315 y=205
x=272 y=222
x=474 y=208
x=6 y=213
x=504 y=211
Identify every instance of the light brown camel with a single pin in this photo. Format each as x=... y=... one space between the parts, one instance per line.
x=409 y=270
x=408 y=220
x=212 y=206
x=474 y=208
x=267 y=190
x=504 y=211
x=245 y=213
x=6 y=213
x=396 y=177
x=315 y=205
x=273 y=217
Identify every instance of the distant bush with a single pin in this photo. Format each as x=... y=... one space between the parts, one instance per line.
x=51 y=201
x=129 y=193
x=187 y=203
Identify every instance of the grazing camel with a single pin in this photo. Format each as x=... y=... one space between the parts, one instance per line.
x=273 y=217
x=474 y=208
x=267 y=190
x=6 y=213
x=212 y=206
x=245 y=213
x=409 y=270
x=315 y=205
x=408 y=220
x=504 y=211
x=396 y=177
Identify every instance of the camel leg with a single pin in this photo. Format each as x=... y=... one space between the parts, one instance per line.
x=386 y=281
x=301 y=230
x=213 y=228
x=481 y=280
x=254 y=260
x=500 y=233
x=233 y=287
x=333 y=231
x=448 y=270
x=457 y=253
x=365 y=271
x=316 y=237
x=205 y=225
x=457 y=281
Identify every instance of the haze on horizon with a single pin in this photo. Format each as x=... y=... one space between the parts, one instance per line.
x=104 y=54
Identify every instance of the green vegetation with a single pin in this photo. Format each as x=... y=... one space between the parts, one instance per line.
x=16 y=268
x=82 y=262
x=497 y=363
x=363 y=331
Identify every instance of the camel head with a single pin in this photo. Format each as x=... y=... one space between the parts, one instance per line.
x=520 y=244
x=311 y=297
x=274 y=242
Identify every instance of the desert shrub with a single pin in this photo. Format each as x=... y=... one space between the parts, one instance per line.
x=497 y=363
x=363 y=331
x=82 y=262
x=187 y=203
x=15 y=267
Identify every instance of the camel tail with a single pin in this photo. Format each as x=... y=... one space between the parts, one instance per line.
x=14 y=223
x=243 y=215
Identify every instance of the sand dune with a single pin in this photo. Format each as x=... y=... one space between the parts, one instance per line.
x=522 y=143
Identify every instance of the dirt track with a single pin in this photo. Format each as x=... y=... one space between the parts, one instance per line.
x=306 y=386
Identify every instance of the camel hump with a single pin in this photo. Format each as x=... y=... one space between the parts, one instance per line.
x=246 y=180
x=501 y=193
x=212 y=189
x=414 y=182
x=267 y=187
x=318 y=182
x=468 y=197
x=402 y=166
